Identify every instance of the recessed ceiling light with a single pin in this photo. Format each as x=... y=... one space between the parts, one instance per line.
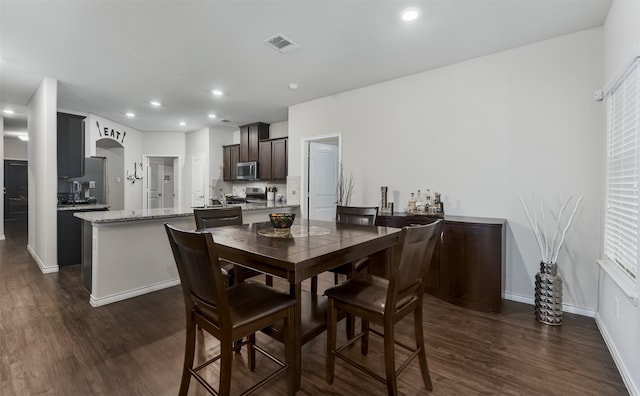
x=130 y=114
x=155 y=103
x=212 y=115
x=217 y=92
x=8 y=111
x=182 y=123
x=293 y=86
x=410 y=14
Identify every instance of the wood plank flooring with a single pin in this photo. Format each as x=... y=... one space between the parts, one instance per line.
x=52 y=342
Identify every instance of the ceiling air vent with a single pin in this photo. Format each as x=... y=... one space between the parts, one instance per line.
x=281 y=43
x=224 y=120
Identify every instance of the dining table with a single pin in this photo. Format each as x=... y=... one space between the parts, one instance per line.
x=306 y=249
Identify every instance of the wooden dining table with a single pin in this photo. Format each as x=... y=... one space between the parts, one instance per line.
x=310 y=248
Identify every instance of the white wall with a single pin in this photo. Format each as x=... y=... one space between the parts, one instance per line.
x=42 y=176
x=196 y=142
x=279 y=129
x=15 y=149
x=131 y=140
x=482 y=132
x=620 y=331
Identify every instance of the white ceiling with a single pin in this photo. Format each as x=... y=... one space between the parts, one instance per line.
x=110 y=57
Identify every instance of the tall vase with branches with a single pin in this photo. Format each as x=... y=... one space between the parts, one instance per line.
x=550 y=237
x=345 y=188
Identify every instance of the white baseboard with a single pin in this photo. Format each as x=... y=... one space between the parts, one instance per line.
x=2 y=237
x=627 y=378
x=97 y=302
x=565 y=307
x=43 y=268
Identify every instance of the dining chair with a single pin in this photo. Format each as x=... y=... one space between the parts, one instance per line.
x=385 y=302
x=227 y=313
x=365 y=216
x=358 y=215
x=218 y=217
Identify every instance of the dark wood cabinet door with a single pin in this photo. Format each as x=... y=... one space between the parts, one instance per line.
x=250 y=137
x=244 y=144
x=234 y=156
x=230 y=156
x=70 y=145
x=279 y=159
x=471 y=265
x=265 y=158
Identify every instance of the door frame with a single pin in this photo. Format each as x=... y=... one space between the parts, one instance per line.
x=177 y=183
x=304 y=174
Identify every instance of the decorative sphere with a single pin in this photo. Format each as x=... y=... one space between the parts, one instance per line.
x=282 y=220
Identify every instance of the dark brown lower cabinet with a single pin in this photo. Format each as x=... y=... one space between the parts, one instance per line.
x=468 y=264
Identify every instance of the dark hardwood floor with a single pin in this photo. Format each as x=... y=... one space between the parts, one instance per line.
x=52 y=342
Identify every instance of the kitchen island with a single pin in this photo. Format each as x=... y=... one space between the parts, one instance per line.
x=126 y=252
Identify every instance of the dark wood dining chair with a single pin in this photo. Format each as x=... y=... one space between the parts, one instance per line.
x=227 y=313
x=218 y=217
x=385 y=302
x=358 y=215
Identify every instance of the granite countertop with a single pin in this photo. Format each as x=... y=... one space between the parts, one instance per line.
x=95 y=206
x=117 y=216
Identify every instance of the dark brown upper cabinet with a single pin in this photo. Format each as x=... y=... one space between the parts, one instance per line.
x=273 y=159
x=230 y=156
x=70 y=145
x=250 y=137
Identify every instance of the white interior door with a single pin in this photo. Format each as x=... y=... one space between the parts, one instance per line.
x=168 y=193
x=154 y=183
x=323 y=179
x=198 y=179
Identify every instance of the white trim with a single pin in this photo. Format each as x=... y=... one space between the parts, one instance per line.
x=620 y=278
x=43 y=268
x=625 y=373
x=2 y=237
x=98 y=302
x=565 y=307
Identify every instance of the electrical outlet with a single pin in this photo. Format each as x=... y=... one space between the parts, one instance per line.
x=617 y=308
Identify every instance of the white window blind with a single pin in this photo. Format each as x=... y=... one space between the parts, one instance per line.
x=623 y=169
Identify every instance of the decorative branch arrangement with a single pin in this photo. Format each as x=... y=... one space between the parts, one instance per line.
x=550 y=246
x=345 y=188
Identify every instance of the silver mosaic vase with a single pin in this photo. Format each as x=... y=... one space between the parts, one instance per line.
x=548 y=294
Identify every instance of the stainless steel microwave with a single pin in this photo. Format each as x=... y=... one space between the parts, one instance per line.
x=247 y=170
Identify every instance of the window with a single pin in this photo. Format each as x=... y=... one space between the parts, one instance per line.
x=623 y=169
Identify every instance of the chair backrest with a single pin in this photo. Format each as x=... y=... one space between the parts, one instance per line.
x=199 y=269
x=411 y=259
x=217 y=217
x=356 y=215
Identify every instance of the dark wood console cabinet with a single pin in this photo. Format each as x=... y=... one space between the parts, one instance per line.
x=468 y=265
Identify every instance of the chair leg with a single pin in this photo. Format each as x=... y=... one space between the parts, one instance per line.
x=350 y=325
x=189 y=351
x=364 y=341
x=314 y=284
x=290 y=352
x=269 y=280
x=251 y=351
x=332 y=328
x=336 y=280
x=422 y=356
x=390 y=358
x=226 y=352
